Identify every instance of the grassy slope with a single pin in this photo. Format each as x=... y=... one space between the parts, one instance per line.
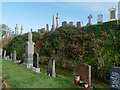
x=21 y=77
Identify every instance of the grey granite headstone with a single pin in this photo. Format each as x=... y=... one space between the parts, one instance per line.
x=51 y=68
x=29 y=51
x=14 y=56
x=4 y=53
x=115 y=78
x=100 y=18
x=36 y=60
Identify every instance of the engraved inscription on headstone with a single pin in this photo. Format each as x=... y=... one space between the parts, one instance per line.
x=115 y=78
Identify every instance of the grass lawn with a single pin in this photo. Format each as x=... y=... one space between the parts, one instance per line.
x=21 y=77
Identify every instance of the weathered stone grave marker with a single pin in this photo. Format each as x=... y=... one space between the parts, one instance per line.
x=36 y=62
x=14 y=57
x=4 y=53
x=51 y=68
x=29 y=51
x=115 y=78
x=84 y=71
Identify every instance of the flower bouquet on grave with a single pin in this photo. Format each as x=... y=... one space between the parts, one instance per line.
x=76 y=79
x=19 y=61
x=85 y=85
x=80 y=83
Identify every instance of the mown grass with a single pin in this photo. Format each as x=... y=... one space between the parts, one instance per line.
x=21 y=77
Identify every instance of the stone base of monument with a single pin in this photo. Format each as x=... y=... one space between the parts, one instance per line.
x=36 y=69
x=27 y=65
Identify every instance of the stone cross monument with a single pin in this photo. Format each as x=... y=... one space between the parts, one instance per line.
x=57 y=20
x=29 y=51
x=16 y=30
x=90 y=17
x=119 y=10
x=21 y=30
x=100 y=18
x=112 y=13
x=53 y=26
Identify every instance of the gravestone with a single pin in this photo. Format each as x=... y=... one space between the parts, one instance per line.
x=100 y=18
x=112 y=14
x=90 y=17
x=14 y=57
x=115 y=78
x=84 y=71
x=64 y=23
x=4 y=53
x=36 y=60
x=29 y=51
x=1 y=52
x=51 y=68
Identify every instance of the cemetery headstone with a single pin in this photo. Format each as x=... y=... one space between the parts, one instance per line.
x=14 y=57
x=90 y=17
x=115 y=78
x=51 y=68
x=112 y=13
x=4 y=53
x=84 y=71
x=100 y=18
x=29 y=51
x=36 y=60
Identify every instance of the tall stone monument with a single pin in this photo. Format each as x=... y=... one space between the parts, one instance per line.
x=100 y=18
x=112 y=13
x=115 y=78
x=47 y=27
x=29 y=51
x=21 y=30
x=14 y=56
x=119 y=10
x=16 y=30
x=57 y=20
x=90 y=17
x=13 y=33
x=53 y=26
